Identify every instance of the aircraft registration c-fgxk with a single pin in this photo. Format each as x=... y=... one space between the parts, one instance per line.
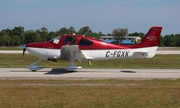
x=76 y=47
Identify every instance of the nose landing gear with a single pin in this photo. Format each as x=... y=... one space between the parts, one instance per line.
x=33 y=67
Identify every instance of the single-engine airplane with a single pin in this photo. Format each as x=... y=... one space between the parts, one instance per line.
x=76 y=47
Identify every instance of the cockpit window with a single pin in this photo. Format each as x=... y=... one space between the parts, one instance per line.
x=55 y=38
x=70 y=40
x=85 y=42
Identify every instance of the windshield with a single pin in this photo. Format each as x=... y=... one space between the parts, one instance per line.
x=57 y=37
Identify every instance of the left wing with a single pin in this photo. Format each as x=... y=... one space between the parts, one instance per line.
x=71 y=52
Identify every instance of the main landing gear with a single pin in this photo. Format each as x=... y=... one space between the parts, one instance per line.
x=71 y=67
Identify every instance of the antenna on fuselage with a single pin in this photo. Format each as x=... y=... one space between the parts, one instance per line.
x=87 y=32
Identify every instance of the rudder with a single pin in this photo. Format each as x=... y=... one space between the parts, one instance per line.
x=152 y=37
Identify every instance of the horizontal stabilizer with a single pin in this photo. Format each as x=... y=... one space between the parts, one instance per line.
x=140 y=54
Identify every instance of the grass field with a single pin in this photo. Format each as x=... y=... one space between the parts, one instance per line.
x=112 y=93
x=109 y=93
x=10 y=48
x=159 y=61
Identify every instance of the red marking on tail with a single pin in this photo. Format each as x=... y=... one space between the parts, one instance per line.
x=152 y=37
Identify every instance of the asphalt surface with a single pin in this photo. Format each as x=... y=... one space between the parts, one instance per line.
x=48 y=73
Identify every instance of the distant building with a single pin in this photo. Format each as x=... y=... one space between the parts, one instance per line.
x=128 y=40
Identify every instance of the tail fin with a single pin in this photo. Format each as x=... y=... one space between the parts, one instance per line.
x=152 y=37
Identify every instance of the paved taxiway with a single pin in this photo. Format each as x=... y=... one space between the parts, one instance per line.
x=48 y=73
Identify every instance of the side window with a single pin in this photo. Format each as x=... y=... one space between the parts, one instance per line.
x=85 y=42
x=56 y=41
x=69 y=40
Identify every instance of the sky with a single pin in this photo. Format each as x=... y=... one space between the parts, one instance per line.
x=99 y=15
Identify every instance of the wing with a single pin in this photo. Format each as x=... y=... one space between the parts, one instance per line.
x=71 y=52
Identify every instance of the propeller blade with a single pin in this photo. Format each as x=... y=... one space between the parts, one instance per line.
x=23 y=46
x=24 y=50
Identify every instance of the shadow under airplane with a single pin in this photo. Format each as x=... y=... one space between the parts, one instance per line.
x=128 y=71
x=59 y=71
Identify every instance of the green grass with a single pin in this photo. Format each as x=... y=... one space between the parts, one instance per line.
x=107 y=93
x=169 y=48
x=10 y=48
x=88 y=94
x=159 y=61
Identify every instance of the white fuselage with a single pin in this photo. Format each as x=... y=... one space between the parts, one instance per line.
x=97 y=54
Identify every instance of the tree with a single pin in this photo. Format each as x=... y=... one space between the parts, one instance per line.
x=84 y=30
x=17 y=35
x=178 y=40
x=170 y=40
x=13 y=40
x=17 y=40
x=51 y=35
x=101 y=34
x=95 y=35
x=109 y=34
x=30 y=36
x=18 y=31
x=120 y=33
x=134 y=34
x=161 y=42
x=62 y=31
x=9 y=32
x=3 y=32
x=71 y=30
x=5 y=40
x=44 y=34
x=141 y=35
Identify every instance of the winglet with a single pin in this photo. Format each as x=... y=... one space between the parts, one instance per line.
x=152 y=37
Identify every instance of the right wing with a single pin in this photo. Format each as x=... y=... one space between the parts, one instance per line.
x=71 y=52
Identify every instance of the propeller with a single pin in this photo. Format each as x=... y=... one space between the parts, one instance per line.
x=24 y=50
x=23 y=46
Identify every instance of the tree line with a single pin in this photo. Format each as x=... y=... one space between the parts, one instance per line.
x=18 y=35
